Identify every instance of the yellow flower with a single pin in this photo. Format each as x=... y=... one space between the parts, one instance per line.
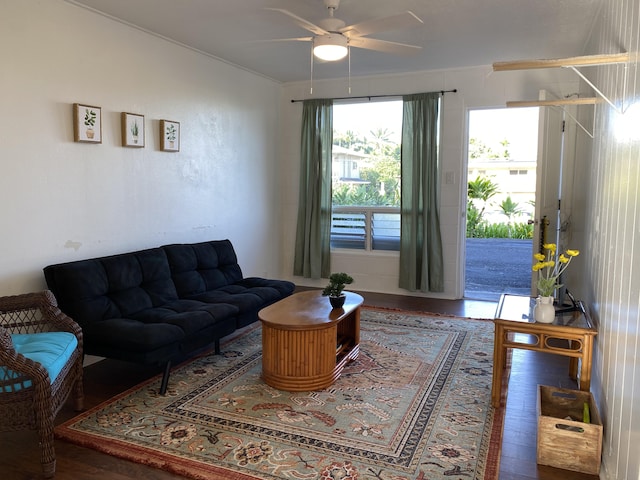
x=549 y=271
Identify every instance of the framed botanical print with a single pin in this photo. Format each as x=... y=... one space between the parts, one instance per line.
x=87 y=123
x=169 y=136
x=132 y=130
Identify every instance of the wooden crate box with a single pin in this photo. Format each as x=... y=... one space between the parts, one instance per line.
x=563 y=443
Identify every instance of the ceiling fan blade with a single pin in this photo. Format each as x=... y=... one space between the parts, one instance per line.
x=384 y=46
x=394 y=22
x=307 y=25
x=297 y=39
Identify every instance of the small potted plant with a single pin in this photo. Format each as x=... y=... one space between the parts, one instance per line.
x=89 y=122
x=337 y=282
x=134 y=131
x=171 y=135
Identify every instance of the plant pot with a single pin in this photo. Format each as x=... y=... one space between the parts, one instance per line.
x=544 y=311
x=337 y=302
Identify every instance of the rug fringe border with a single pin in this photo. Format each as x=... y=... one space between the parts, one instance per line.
x=152 y=458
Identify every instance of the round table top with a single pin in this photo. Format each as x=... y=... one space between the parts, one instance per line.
x=307 y=309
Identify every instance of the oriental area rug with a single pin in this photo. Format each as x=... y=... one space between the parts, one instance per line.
x=415 y=404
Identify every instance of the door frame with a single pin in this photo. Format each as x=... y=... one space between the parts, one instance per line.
x=557 y=135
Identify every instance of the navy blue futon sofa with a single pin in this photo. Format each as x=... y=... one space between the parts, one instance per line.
x=158 y=305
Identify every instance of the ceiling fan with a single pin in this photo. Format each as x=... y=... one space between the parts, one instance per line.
x=332 y=37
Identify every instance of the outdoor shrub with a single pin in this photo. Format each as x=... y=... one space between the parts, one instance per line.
x=521 y=231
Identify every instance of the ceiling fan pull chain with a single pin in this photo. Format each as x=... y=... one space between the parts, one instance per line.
x=311 y=80
x=349 y=54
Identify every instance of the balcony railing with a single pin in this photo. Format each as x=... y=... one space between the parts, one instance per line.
x=365 y=228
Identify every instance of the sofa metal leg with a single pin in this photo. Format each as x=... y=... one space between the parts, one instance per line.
x=216 y=346
x=165 y=378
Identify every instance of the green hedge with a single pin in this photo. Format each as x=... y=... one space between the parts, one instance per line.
x=499 y=230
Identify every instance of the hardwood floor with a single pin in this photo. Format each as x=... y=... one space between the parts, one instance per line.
x=19 y=455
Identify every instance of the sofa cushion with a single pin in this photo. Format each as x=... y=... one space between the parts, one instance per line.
x=130 y=335
x=52 y=350
x=269 y=289
x=190 y=315
x=112 y=287
x=241 y=298
x=80 y=288
x=201 y=267
x=139 y=280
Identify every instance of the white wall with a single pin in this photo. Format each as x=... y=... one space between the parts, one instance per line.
x=612 y=232
x=478 y=87
x=61 y=201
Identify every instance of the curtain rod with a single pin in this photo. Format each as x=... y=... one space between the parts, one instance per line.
x=455 y=90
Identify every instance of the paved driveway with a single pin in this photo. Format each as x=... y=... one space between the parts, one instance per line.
x=497 y=265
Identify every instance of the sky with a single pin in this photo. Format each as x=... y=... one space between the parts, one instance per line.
x=364 y=117
x=518 y=125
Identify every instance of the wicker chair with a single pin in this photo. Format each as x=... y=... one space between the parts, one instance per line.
x=29 y=399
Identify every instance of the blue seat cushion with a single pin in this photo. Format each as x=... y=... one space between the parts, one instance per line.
x=50 y=349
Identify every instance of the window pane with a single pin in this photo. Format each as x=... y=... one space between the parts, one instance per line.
x=366 y=153
x=348 y=230
x=366 y=175
x=386 y=231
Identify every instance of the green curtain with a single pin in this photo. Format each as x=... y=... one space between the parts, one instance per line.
x=313 y=235
x=421 y=264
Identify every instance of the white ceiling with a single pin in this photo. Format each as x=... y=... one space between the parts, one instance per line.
x=456 y=33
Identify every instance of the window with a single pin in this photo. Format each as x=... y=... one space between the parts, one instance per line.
x=366 y=175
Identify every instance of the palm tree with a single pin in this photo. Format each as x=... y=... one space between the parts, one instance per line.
x=381 y=139
x=481 y=189
x=349 y=138
x=510 y=209
x=505 y=145
x=478 y=149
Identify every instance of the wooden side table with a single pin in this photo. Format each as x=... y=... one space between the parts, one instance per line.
x=514 y=316
x=305 y=343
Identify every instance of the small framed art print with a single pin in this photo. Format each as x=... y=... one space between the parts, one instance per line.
x=169 y=136
x=132 y=130
x=87 y=123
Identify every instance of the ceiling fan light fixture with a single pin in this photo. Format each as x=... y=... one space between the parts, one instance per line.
x=330 y=47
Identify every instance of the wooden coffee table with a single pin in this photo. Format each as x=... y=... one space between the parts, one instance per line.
x=571 y=334
x=306 y=343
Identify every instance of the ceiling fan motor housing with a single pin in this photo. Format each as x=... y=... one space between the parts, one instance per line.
x=332 y=24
